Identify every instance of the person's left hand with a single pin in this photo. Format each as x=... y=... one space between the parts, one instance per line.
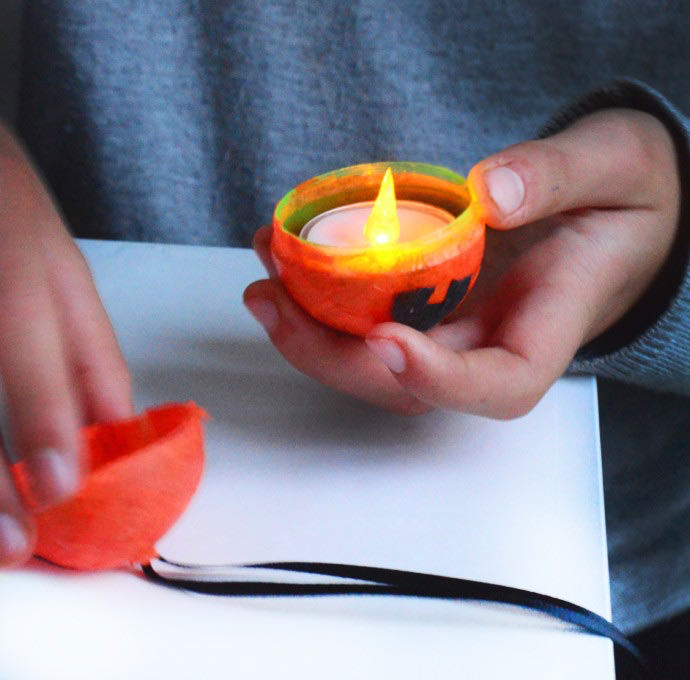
x=583 y=221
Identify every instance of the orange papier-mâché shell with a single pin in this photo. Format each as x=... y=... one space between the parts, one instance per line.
x=143 y=473
x=352 y=289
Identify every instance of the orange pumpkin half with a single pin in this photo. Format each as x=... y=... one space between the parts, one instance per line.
x=417 y=283
x=143 y=473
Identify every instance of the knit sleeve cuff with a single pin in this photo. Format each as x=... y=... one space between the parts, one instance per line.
x=650 y=345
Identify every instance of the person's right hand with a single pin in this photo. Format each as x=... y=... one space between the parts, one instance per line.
x=583 y=223
x=60 y=364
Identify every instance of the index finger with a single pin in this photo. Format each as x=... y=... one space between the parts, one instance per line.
x=40 y=403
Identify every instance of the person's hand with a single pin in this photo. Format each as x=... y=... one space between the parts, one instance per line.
x=583 y=221
x=60 y=364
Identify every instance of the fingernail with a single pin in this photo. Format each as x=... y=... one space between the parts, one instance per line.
x=55 y=477
x=264 y=311
x=389 y=352
x=505 y=188
x=13 y=540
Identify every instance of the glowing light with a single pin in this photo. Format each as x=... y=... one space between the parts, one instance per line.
x=382 y=226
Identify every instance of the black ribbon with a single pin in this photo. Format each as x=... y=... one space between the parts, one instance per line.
x=377 y=581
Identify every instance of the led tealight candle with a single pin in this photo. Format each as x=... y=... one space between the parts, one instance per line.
x=344 y=226
x=384 y=221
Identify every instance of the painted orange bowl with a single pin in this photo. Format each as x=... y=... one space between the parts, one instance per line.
x=416 y=282
x=143 y=473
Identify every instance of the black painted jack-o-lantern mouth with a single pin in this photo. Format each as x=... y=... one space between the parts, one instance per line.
x=413 y=308
x=351 y=289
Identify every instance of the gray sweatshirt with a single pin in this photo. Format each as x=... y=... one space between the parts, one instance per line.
x=185 y=120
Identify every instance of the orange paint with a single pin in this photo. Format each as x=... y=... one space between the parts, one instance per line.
x=144 y=472
x=353 y=289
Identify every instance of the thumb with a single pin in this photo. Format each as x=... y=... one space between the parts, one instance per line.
x=605 y=160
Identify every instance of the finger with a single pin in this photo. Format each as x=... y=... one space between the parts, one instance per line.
x=526 y=353
x=334 y=359
x=40 y=403
x=17 y=534
x=489 y=382
x=606 y=159
x=262 y=246
x=97 y=366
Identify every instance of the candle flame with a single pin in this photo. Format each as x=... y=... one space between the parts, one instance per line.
x=382 y=225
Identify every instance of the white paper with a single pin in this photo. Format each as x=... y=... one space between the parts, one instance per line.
x=297 y=472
